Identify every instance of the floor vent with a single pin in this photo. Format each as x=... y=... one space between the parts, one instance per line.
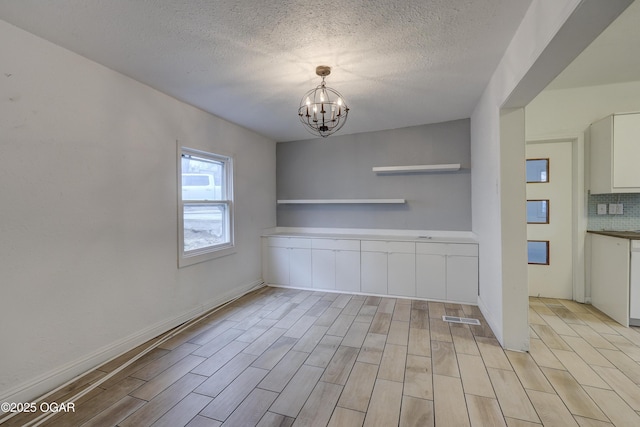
x=465 y=320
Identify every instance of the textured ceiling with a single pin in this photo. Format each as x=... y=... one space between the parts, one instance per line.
x=397 y=63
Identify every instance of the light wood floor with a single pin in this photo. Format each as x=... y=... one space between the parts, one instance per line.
x=280 y=357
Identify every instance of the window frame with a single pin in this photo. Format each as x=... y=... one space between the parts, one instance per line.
x=547 y=213
x=548 y=253
x=548 y=170
x=186 y=258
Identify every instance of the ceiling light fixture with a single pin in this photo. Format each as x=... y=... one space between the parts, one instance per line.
x=323 y=110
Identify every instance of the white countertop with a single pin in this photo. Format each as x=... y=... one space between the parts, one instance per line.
x=402 y=235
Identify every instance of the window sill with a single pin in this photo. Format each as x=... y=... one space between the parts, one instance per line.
x=185 y=261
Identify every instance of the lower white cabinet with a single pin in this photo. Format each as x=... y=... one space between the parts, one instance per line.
x=289 y=261
x=388 y=267
x=335 y=264
x=323 y=268
x=462 y=278
x=447 y=271
x=348 y=270
x=373 y=272
x=610 y=268
x=401 y=274
x=430 y=270
x=278 y=265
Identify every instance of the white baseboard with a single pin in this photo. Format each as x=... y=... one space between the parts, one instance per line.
x=56 y=378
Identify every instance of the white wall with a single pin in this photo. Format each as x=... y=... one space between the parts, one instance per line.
x=88 y=217
x=503 y=287
x=563 y=112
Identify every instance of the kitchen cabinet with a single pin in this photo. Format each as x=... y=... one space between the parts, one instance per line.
x=447 y=271
x=401 y=267
x=335 y=264
x=610 y=276
x=289 y=261
x=431 y=270
x=388 y=267
x=462 y=273
x=634 y=284
x=615 y=148
x=373 y=272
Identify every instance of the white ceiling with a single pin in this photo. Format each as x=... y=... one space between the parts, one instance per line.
x=397 y=63
x=614 y=57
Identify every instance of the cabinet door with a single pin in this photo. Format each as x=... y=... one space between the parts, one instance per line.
x=610 y=276
x=462 y=279
x=300 y=267
x=431 y=276
x=348 y=271
x=278 y=265
x=402 y=274
x=626 y=151
x=374 y=272
x=323 y=269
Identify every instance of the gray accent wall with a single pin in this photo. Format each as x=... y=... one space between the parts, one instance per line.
x=339 y=167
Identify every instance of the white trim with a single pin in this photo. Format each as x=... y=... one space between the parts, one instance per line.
x=338 y=201
x=209 y=252
x=417 y=168
x=68 y=372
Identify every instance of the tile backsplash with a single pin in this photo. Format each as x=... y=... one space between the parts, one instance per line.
x=630 y=220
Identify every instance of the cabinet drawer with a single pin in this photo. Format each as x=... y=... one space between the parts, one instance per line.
x=373 y=246
x=462 y=249
x=401 y=247
x=289 y=242
x=388 y=246
x=278 y=242
x=431 y=248
x=336 y=244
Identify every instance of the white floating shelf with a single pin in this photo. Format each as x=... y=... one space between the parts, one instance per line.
x=418 y=168
x=339 y=201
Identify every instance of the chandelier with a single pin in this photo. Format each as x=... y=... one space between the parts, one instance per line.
x=323 y=110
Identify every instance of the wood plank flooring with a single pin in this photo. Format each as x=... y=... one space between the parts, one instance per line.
x=282 y=357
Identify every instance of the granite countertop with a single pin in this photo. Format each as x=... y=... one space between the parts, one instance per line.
x=632 y=235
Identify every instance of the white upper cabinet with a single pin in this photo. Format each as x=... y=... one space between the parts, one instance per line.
x=615 y=150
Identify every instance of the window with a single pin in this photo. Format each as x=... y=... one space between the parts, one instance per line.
x=205 y=200
x=538 y=251
x=537 y=211
x=537 y=170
